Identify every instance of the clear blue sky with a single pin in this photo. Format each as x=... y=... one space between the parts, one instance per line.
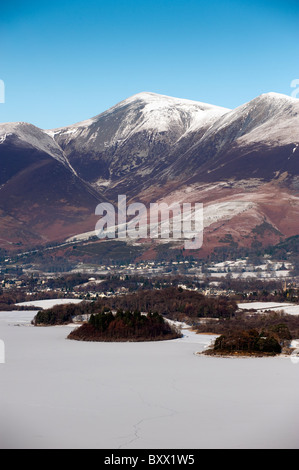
x=65 y=61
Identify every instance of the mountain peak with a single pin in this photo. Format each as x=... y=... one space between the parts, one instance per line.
x=277 y=96
x=165 y=100
x=145 y=95
x=276 y=100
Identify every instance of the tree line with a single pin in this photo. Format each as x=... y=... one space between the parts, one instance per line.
x=174 y=303
x=284 y=325
x=124 y=326
x=250 y=342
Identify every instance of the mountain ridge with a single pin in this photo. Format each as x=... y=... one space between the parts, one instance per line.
x=241 y=163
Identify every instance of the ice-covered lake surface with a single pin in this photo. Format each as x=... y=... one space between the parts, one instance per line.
x=58 y=393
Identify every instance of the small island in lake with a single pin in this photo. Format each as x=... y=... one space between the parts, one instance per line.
x=125 y=326
x=251 y=342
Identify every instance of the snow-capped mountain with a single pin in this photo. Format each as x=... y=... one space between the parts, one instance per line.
x=136 y=131
x=41 y=197
x=258 y=139
x=242 y=164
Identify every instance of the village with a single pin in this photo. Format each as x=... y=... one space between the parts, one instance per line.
x=90 y=281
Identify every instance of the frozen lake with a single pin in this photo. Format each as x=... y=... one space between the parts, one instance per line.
x=57 y=393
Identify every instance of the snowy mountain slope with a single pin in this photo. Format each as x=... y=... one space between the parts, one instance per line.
x=132 y=133
x=144 y=112
x=257 y=139
x=41 y=197
x=238 y=213
x=24 y=134
x=271 y=118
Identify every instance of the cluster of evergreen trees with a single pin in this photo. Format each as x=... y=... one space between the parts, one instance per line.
x=124 y=326
x=253 y=341
x=250 y=341
x=62 y=314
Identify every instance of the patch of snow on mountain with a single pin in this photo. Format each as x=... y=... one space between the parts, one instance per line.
x=148 y=112
x=269 y=118
x=161 y=112
x=224 y=210
x=33 y=136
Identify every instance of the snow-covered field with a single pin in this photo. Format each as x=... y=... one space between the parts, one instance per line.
x=291 y=309
x=48 y=303
x=254 y=274
x=57 y=393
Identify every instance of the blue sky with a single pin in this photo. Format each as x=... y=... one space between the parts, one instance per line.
x=65 y=61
